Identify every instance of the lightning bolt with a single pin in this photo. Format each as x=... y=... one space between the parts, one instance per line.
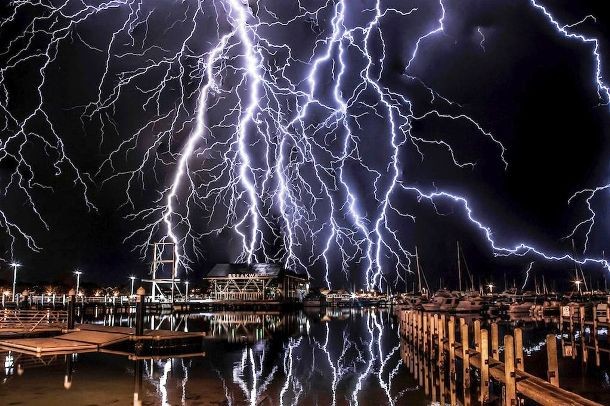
x=527 y=274
x=245 y=133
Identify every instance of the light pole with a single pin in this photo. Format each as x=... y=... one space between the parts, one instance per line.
x=78 y=274
x=578 y=282
x=133 y=278
x=15 y=265
x=187 y=290
x=491 y=288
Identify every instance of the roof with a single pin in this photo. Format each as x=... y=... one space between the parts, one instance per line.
x=258 y=269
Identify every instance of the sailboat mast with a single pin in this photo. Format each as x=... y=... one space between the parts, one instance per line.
x=459 y=267
x=418 y=270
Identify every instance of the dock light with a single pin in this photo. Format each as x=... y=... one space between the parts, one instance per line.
x=187 y=289
x=15 y=265
x=491 y=287
x=78 y=274
x=133 y=278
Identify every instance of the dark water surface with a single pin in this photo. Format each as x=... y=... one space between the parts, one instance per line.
x=322 y=357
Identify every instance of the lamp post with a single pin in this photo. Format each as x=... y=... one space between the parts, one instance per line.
x=187 y=290
x=15 y=265
x=133 y=278
x=78 y=274
x=491 y=288
x=578 y=282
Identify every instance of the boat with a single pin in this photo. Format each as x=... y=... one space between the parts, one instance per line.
x=471 y=302
x=442 y=301
x=314 y=299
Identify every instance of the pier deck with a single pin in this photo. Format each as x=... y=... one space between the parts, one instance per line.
x=88 y=337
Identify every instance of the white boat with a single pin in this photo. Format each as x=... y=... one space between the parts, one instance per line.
x=520 y=307
x=472 y=302
x=442 y=301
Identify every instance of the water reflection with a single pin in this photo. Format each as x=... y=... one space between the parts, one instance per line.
x=321 y=356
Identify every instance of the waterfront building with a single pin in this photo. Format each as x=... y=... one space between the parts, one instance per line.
x=256 y=282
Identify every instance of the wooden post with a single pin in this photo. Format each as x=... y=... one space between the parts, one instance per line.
x=415 y=332
x=140 y=312
x=451 y=334
x=465 y=357
x=420 y=341
x=595 y=338
x=484 y=366
x=440 y=358
x=519 y=362
x=510 y=395
x=433 y=332
x=425 y=333
x=551 y=354
x=71 y=308
x=477 y=335
x=494 y=342
x=441 y=384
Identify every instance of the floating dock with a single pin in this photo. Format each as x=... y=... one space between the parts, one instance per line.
x=92 y=338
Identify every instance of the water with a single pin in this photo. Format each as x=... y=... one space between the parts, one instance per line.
x=315 y=358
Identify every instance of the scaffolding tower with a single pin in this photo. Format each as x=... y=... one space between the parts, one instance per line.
x=164 y=284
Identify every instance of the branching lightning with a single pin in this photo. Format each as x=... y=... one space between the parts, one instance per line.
x=246 y=134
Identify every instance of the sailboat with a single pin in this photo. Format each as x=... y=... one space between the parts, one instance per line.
x=471 y=301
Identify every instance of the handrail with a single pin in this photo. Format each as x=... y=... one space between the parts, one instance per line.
x=30 y=320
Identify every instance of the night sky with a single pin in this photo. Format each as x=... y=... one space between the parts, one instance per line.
x=502 y=64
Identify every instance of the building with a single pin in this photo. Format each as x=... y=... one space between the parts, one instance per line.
x=256 y=282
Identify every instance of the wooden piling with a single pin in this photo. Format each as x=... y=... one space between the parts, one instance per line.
x=425 y=333
x=551 y=354
x=452 y=367
x=494 y=342
x=510 y=395
x=440 y=358
x=477 y=335
x=465 y=357
x=519 y=361
x=484 y=351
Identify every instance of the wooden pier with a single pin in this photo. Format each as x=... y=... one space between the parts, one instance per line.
x=89 y=337
x=434 y=343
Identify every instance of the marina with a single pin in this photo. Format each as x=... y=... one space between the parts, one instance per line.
x=304 y=203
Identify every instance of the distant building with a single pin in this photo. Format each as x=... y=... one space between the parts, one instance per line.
x=256 y=282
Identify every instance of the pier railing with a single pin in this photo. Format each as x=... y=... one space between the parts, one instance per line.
x=31 y=320
x=432 y=345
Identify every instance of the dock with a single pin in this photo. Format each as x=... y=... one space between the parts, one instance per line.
x=92 y=338
x=432 y=344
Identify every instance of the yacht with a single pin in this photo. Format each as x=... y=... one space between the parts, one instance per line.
x=471 y=302
x=442 y=301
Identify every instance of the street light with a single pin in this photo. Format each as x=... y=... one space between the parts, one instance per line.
x=187 y=290
x=15 y=265
x=78 y=274
x=133 y=278
x=491 y=287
